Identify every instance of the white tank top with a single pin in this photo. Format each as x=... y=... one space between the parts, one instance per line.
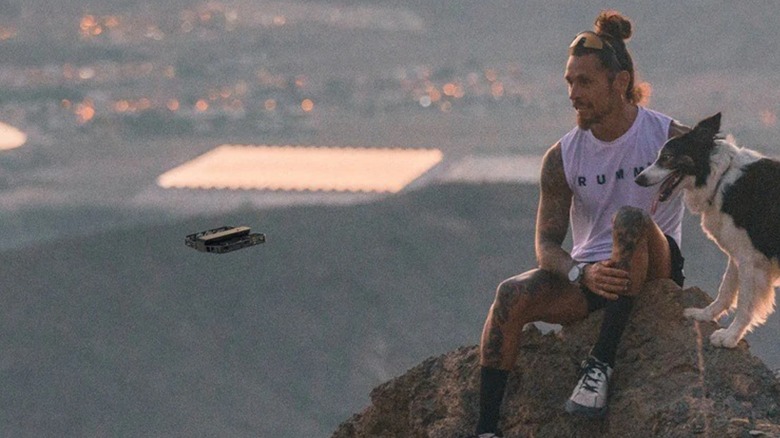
x=601 y=177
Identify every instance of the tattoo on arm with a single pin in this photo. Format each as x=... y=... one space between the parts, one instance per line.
x=552 y=220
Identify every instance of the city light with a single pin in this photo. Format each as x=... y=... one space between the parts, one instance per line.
x=279 y=20
x=449 y=89
x=201 y=105
x=7 y=33
x=497 y=89
x=172 y=104
x=85 y=111
x=122 y=106
x=768 y=118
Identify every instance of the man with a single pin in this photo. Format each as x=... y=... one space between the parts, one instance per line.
x=587 y=181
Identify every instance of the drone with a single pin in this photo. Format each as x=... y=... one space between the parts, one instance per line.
x=224 y=239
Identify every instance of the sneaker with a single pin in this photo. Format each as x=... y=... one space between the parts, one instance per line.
x=590 y=395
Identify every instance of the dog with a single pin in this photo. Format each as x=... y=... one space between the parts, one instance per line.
x=737 y=193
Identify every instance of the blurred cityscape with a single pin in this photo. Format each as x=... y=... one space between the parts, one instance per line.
x=168 y=74
x=216 y=68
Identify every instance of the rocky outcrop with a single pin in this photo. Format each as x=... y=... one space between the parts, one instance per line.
x=669 y=382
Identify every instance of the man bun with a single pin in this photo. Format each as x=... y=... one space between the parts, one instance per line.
x=614 y=24
x=616 y=28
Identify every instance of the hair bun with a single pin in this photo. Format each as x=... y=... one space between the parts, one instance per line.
x=614 y=24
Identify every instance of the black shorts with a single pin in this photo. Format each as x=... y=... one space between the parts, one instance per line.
x=596 y=302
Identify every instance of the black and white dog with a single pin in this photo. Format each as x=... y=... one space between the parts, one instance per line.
x=737 y=193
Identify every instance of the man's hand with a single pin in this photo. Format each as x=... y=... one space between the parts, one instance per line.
x=604 y=279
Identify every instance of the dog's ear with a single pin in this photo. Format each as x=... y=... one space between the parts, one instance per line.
x=709 y=127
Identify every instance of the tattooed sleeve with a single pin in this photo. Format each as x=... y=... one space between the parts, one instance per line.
x=552 y=220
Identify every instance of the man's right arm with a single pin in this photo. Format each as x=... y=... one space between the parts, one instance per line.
x=552 y=219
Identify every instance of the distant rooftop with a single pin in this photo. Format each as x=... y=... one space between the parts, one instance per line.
x=10 y=137
x=494 y=169
x=288 y=168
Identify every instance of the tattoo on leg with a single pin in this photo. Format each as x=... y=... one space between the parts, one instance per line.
x=492 y=348
x=628 y=227
x=506 y=299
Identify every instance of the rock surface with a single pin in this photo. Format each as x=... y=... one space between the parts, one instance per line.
x=669 y=382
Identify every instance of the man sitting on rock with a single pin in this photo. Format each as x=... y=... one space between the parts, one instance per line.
x=587 y=182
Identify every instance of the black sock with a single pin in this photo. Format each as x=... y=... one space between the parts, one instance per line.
x=616 y=315
x=491 y=394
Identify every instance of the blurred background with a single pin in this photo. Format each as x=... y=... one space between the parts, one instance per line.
x=112 y=327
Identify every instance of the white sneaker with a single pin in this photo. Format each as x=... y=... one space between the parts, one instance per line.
x=590 y=395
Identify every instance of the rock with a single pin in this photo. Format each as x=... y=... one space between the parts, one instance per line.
x=669 y=381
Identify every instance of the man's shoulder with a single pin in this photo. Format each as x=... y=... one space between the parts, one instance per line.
x=672 y=126
x=553 y=153
x=553 y=171
x=655 y=115
x=653 y=112
x=656 y=121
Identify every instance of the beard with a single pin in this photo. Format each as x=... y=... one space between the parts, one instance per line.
x=589 y=114
x=585 y=120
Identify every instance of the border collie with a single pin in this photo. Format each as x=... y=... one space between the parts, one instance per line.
x=737 y=193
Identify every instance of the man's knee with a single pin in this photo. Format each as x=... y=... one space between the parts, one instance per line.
x=509 y=294
x=538 y=295
x=629 y=226
x=519 y=292
x=631 y=218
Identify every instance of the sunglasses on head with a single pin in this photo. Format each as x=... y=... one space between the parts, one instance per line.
x=591 y=41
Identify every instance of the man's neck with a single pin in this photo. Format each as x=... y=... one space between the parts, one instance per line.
x=617 y=124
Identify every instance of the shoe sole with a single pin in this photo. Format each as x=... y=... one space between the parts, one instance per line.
x=576 y=409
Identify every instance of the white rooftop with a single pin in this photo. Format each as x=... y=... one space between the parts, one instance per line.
x=289 y=168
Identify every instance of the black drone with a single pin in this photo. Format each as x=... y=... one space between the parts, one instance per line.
x=224 y=239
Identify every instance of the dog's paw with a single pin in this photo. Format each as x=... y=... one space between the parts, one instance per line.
x=698 y=314
x=724 y=338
